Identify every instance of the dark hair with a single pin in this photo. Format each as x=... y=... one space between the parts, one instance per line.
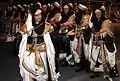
x=79 y=15
x=34 y=8
x=56 y=9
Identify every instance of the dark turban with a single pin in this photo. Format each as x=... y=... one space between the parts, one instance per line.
x=34 y=8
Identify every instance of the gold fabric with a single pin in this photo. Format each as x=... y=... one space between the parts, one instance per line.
x=48 y=27
x=85 y=21
x=106 y=26
x=37 y=48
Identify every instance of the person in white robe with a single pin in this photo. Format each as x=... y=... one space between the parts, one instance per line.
x=103 y=49
x=37 y=59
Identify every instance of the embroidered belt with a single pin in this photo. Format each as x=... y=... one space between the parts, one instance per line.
x=37 y=40
x=97 y=40
x=36 y=47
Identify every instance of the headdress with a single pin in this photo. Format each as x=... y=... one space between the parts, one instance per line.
x=66 y=6
x=71 y=5
x=57 y=5
x=97 y=10
x=82 y=7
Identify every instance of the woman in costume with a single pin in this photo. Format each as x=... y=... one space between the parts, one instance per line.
x=36 y=51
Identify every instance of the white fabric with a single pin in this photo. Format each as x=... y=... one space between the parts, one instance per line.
x=62 y=55
x=94 y=54
x=22 y=47
x=111 y=56
x=90 y=47
x=87 y=48
x=82 y=7
x=50 y=55
x=73 y=45
x=90 y=23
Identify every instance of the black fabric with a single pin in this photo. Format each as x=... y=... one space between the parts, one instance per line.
x=62 y=45
x=2 y=29
x=65 y=45
x=109 y=43
x=30 y=39
x=78 y=17
x=55 y=40
x=65 y=17
x=71 y=37
x=87 y=35
x=55 y=33
x=34 y=8
x=97 y=62
x=49 y=73
x=84 y=63
x=39 y=28
x=9 y=13
x=34 y=79
x=56 y=46
x=97 y=23
x=56 y=63
x=16 y=43
x=114 y=71
x=22 y=14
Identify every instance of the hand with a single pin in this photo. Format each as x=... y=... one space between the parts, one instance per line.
x=34 y=34
x=42 y=77
x=61 y=25
x=90 y=24
x=71 y=32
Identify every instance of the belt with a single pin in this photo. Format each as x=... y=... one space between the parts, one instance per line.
x=36 y=47
x=97 y=38
x=36 y=40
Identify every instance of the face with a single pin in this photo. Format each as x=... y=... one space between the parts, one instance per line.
x=44 y=8
x=66 y=10
x=51 y=7
x=10 y=8
x=98 y=13
x=37 y=16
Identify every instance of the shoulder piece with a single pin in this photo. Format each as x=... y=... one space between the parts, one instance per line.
x=55 y=18
x=23 y=28
x=106 y=23
x=85 y=20
x=48 y=27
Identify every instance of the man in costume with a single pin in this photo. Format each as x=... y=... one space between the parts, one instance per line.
x=66 y=25
x=83 y=38
x=103 y=47
x=36 y=51
x=54 y=17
